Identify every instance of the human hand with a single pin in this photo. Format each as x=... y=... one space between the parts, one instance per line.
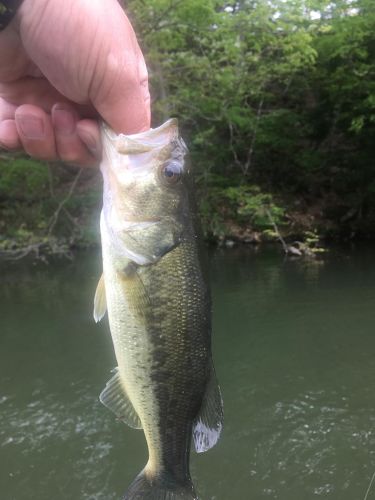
x=62 y=65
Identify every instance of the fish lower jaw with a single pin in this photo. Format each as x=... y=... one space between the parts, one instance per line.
x=129 y=223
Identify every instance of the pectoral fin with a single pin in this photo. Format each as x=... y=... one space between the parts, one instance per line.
x=135 y=289
x=147 y=243
x=100 y=301
x=209 y=422
x=115 y=398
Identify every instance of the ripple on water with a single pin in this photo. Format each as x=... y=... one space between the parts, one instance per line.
x=46 y=429
x=303 y=440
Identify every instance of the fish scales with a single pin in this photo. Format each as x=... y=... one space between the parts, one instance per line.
x=158 y=307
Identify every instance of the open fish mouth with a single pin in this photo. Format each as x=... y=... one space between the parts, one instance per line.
x=143 y=141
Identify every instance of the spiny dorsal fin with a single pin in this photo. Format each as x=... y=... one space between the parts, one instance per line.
x=100 y=301
x=115 y=398
x=209 y=421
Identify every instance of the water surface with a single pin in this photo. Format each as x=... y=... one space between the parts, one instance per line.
x=294 y=349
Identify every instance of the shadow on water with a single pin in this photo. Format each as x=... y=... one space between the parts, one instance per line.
x=294 y=349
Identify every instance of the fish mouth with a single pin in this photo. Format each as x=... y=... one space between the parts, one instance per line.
x=134 y=218
x=132 y=223
x=146 y=141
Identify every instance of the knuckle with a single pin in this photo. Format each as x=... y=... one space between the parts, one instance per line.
x=70 y=157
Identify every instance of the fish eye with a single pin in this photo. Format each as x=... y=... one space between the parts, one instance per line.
x=171 y=172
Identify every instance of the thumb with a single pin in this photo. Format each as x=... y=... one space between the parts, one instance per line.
x=119 y=91
x=126 y=107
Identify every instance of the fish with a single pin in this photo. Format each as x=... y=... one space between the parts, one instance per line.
x=155 y=290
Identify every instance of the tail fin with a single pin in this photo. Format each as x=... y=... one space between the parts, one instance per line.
x=146 y=488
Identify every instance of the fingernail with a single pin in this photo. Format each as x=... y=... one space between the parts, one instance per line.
x=31 y=126
x=63 y=121
x=90 y=143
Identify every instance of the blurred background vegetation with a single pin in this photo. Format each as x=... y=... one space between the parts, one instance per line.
x=276 y=100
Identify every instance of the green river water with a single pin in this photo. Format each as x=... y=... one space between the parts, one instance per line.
x=294 y=347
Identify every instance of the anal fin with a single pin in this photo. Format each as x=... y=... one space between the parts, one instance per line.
x=115 y=398
x=209 y=421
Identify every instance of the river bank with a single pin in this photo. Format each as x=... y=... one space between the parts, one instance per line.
x=53 y=209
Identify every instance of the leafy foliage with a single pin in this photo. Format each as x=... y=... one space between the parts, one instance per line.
x=40 y=210
x=277 y=103
x=275 y=94
x=23 y=179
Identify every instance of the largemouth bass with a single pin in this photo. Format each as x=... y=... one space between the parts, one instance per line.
x=158 y=307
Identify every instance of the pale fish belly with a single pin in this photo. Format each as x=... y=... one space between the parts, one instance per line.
x=134 y=356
